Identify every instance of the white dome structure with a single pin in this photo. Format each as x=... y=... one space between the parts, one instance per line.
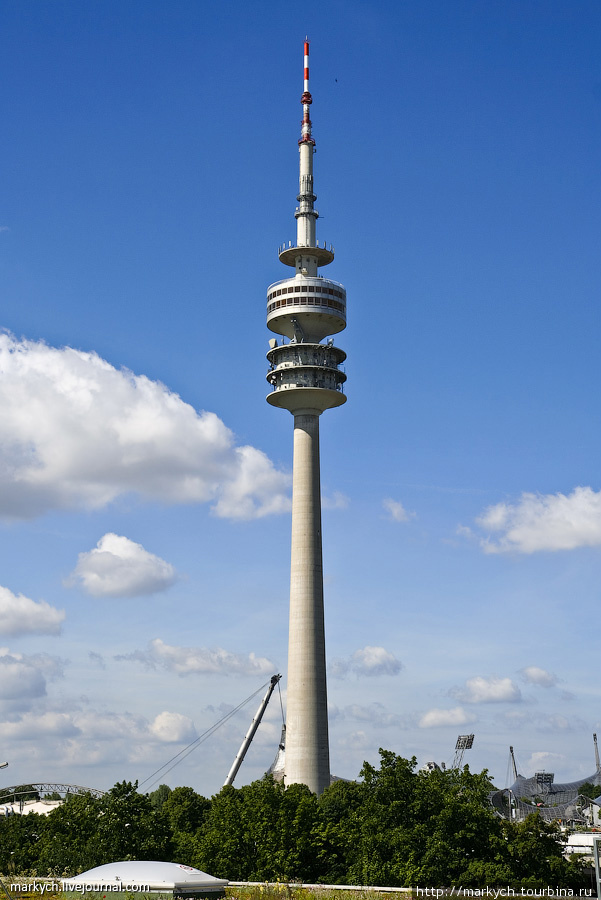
x=146 y=877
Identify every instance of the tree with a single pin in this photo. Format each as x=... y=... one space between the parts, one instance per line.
x=67 y=837
x=536 y=851
x=222 y=847
x=184 y=811
x=158 y=797
x=129 y=828
x=590 y=790
x=19 y=843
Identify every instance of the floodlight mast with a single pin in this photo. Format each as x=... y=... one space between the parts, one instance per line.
x=464 y=742
x=306 y=379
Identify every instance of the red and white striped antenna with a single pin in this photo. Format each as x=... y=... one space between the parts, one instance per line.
x=306 y=100
x=306 y=87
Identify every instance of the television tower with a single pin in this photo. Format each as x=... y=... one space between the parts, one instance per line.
x=306 y=379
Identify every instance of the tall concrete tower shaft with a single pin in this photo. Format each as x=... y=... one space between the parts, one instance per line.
x=306 y=379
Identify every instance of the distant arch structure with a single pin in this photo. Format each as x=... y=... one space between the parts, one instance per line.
x=46 y=787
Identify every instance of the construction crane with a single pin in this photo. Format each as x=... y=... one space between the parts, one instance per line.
x=464 y=742
x=251 y=731
x=597 y=763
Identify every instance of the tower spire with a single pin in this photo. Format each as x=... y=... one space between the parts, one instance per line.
x=306 y=214
x=306 y=379
x=306 y=100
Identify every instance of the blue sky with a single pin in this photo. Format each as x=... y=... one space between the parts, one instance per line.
x=150 y=172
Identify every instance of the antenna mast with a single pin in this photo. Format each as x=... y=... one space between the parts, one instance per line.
x=513 y=765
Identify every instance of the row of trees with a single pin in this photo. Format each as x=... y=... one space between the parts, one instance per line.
x=394 y=827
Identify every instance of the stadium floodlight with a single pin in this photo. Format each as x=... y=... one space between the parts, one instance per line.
x=464 y=742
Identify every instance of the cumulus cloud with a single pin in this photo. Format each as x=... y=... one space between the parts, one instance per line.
x=172 y=727
x=542 y=758
x=118 y=567
x=23 y=678
x=371 y=661
x=442 y=718
x=199 y=660
x=32 y=726
x=95 y=726
x=487 y=690
x=544 y=522
x=536 y=675
x=51 y=667
x=19 y=681
x=76 y=433
x=396 y=511
x=20 y=615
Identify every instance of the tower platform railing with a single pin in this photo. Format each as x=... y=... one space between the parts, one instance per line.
x=338 y=284
x=290 y=246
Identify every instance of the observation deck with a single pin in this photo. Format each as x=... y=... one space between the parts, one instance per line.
x=307 y=308
x=289 y=253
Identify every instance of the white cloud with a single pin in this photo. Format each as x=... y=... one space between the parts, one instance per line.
x=556 y=723
x=536 y=675
x=20 y=680
x=76 y=433
x=33 y=726
x=442 y=718
x=118 y=567
x=371 y=661
x=358 y=740
x=488 y=690
x=95 y=726
x=337 y=500
x=20 y=615
x=396 y=511
x=172 y=727
x=23 y=679
x=51 y=667
x=200 y=660
x=377 y=714
x=101 y=725
x=544 y=522
x=253 y=488
x=542 y=758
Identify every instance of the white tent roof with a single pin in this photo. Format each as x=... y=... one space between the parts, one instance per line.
x=149 y=875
